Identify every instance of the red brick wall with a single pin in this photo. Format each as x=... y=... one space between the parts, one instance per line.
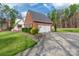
x=28 y=20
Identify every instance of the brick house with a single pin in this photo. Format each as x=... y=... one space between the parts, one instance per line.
x=38 y=20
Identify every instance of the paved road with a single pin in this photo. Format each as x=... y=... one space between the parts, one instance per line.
x=56 y=44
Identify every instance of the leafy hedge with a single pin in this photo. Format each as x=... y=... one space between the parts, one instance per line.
x=26 y=30
x=30 y=30
x=34 y=31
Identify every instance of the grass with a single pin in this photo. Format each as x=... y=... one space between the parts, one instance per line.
x=12 y=43
x=68 y=29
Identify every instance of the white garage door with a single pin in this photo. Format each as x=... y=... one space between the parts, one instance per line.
x=43 y=28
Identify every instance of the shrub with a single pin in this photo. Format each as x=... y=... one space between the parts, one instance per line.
x=34 y=31
x=26 y=30
x=9 y=28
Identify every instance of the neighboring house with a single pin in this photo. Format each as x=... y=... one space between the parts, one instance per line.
x=38 y=20
x=4 y=24
x=19 y=24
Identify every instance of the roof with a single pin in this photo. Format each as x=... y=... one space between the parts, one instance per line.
x=39 y=17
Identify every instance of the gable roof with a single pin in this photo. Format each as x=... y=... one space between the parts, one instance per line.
x=39 y=17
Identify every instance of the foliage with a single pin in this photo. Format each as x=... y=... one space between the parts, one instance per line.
x=69 y=12
x=63 y=15
x=30 y=30
x=54 y=17
x=26 y=30
x=66 y=12
x=13 y=16
x=34 y=31
x=7 y=13
x=73 y=8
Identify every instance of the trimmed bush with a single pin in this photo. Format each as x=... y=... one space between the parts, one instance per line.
x=34 y=31
x=26 y=30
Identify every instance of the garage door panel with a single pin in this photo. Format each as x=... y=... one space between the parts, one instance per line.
x=43 y=28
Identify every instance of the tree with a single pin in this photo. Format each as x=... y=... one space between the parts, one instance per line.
x=13 y=16
x=53 y=16
x=66 y=13
x=7 y=13
x=1 y=15
x=73 y=10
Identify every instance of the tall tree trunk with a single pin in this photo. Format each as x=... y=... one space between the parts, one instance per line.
x=1 y=24
x=75 y=22
x=55 y=27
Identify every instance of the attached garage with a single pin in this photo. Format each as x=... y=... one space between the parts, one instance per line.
x=44 y=28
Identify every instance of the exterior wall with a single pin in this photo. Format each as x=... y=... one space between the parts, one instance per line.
x=35 y=24
x=5 y=25
x=8 y=23
x=28 y=20
x=19 y=22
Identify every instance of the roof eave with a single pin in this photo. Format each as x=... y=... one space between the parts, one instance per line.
x=43 y=22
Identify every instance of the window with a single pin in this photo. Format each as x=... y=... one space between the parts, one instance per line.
x=19 y=25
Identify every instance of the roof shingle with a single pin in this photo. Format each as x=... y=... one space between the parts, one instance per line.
x=39 y=17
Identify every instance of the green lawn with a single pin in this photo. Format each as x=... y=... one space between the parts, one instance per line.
x=12 y=43
x=68 y=29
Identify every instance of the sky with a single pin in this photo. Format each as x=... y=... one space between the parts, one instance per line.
x=22 y=8
x=44 y=8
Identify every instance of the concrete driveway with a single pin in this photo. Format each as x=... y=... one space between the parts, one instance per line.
x=56 y=44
